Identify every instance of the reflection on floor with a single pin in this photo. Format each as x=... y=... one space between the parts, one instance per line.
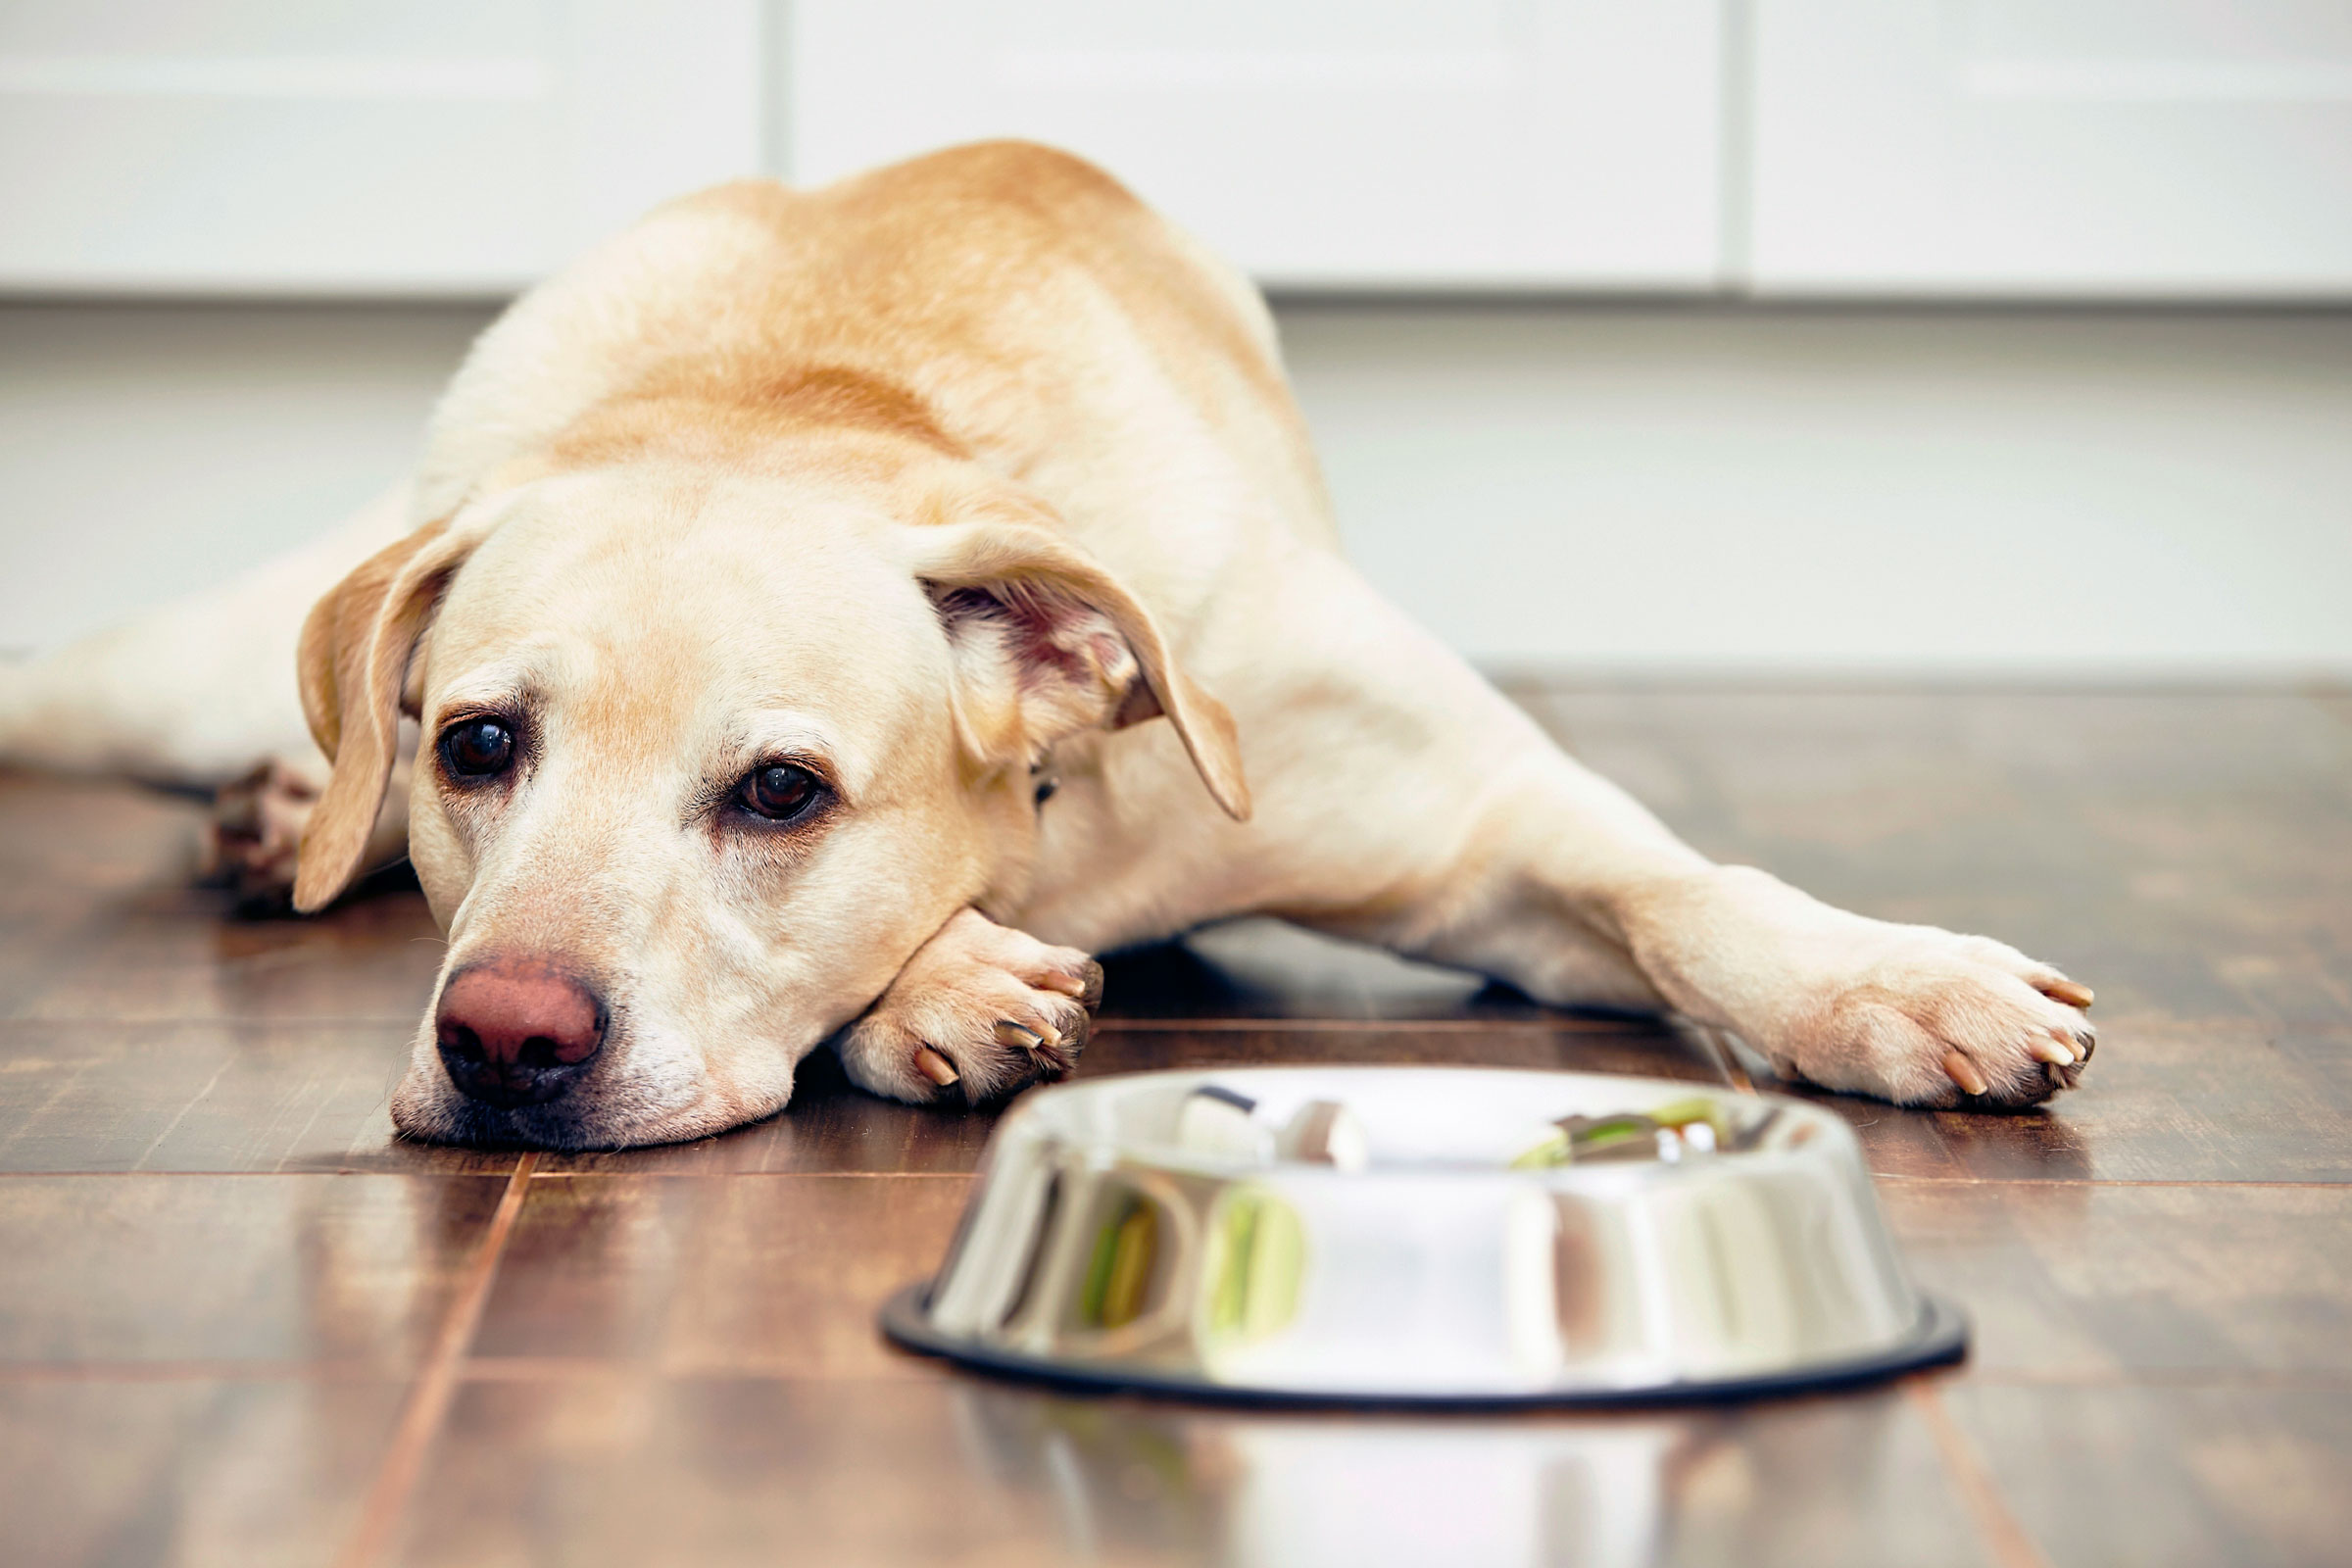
x=241 y=1323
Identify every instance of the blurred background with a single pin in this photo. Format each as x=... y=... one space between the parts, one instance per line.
x=1905 y=336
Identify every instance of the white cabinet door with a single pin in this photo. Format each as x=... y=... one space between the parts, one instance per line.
x=2095 y=147
x=1323 y=143
x=253 y=146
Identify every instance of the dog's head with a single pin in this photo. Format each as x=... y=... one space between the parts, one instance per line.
x=703 y=762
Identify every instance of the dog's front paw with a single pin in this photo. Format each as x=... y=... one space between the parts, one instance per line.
x=979 y=1010
x=1932 y=1018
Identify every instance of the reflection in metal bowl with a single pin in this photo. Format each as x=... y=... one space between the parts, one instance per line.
x=1451 y=1235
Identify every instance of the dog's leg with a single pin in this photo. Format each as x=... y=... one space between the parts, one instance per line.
x=1431 y=816
x=1911 y=1013
x=979 y=1009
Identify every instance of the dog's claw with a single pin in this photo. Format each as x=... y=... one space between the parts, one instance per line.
x=2065 y=990
x=1964 y=1073
x=1020 y=1037
x=936 y=1068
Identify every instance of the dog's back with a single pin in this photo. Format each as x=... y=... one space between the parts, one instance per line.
x=1008 y=300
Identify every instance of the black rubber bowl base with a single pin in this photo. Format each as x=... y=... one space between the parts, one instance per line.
x=1940 y=1338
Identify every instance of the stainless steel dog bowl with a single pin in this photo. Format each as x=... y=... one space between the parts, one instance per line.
x=1412 y=1235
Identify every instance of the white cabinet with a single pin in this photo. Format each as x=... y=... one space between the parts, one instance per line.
x=1965 y=148
x=1386 y=144
x=2101 y=148
x=428 y=146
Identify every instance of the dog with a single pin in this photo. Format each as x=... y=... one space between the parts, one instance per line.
x=832 y=617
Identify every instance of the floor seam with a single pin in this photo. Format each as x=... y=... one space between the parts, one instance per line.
x=2004 y=1538
x=422 y=1418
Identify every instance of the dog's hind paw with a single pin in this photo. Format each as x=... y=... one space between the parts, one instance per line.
x=255 y=833
x=979 y=1010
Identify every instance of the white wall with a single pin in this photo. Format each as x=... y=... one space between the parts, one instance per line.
x=1965 y=489
x=1625 y=487
x=149 y=449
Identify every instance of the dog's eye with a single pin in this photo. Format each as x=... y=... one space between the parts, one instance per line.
x=477 y=747
x=779 y=791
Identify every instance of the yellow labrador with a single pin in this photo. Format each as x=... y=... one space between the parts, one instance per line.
x=833 y=616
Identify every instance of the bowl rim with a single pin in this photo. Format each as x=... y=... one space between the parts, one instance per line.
x=1939 y=1338
x=1111 y=1152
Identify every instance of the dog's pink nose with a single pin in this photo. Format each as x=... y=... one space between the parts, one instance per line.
x=517 y=1031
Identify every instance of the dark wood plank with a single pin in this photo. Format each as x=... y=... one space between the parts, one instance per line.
x=770 y=1274
x=97 y=1473
x=831 y=1126
x=629 y=1468
x=102 y=924
x=2096 y=1281
x=2170 y=1476
x=175 y=954
x=289 y=1270
x=2166 y=1100
x=217 y=1096
x=677 y=1361
x=66 y=843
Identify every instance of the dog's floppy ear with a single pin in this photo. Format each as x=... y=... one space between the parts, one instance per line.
x=354 y=668
x=1047 y=643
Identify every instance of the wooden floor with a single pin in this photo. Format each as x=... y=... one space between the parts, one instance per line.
x=242 y=1324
